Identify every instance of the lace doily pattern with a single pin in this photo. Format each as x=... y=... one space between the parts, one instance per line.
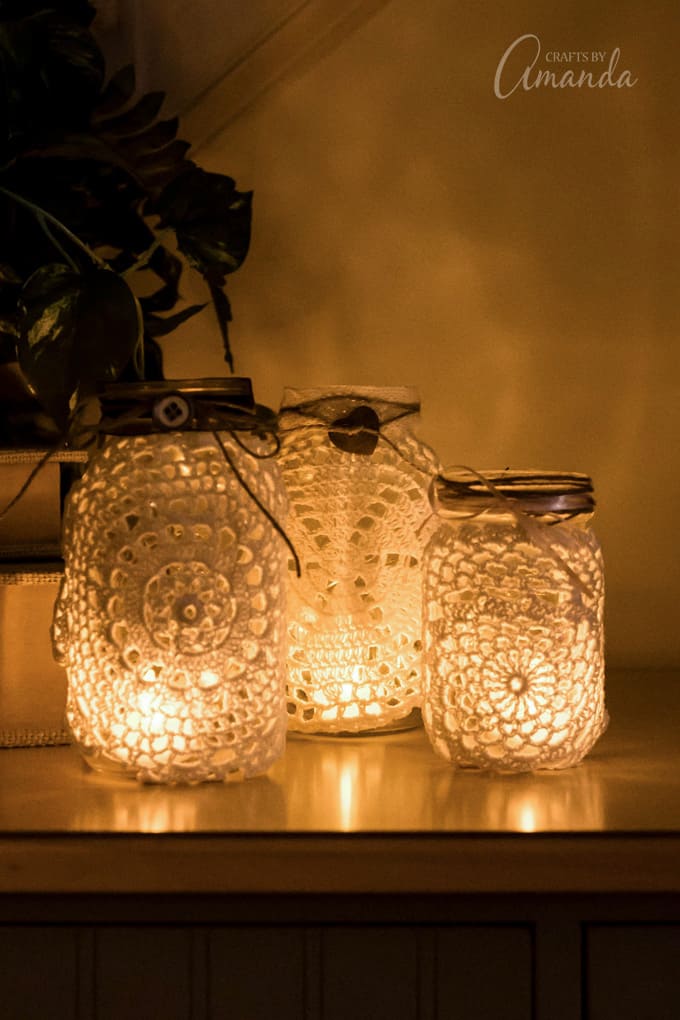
x=171 y=617
x=514 y=650
x=355 y=652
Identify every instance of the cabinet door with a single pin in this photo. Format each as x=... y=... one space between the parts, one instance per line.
x=254 y=973
x=369 y=973
x=142 y=972
x=38 y=973
x=633 y=972
x=485 y=972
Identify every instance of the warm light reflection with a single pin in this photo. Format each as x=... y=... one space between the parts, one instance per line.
x=550 y=802
x=159 y=812
x=339 y=784
x=348 y=778
x=526 y=818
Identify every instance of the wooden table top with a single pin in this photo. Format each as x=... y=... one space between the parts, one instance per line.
x=374 y=814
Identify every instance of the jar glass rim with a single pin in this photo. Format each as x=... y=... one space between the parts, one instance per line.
x=535 y=492
x=294 y=396
x=229 y=386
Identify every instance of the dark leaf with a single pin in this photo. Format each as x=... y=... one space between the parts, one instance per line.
x=8 y=276
x=8 y=344
x=356 y=432
x=223 y=313
x=109 y=327
x=153 y=359
x=81 y=147
x=10 y=286
x=9 y=328
x=150 y=171
x=211 y=219
x=155 y=137
x=156 y=180
x=48 y=326
x=167 y=268
x=155 y=325
x=76 y=330
x=119 y=91
x=163 y=159
x=153 y=363
x=81 y=11
x=51 y=74
x=74 y=52
x=138 y=117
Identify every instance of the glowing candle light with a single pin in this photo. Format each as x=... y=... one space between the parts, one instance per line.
x=357 y=485
x=513 y=621
x=171 y=616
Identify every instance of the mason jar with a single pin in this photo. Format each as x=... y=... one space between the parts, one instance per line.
x=170 y=620
x=513 y=621
x=357 y=480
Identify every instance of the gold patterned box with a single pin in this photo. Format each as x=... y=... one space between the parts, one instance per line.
x=32 y=685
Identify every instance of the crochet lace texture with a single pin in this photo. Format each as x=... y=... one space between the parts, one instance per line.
x=171 y=616
x=354 y=658
x=513 y=646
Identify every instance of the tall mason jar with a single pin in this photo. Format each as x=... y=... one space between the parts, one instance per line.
x=170 y=620
x=513 y=621
x=357 y=480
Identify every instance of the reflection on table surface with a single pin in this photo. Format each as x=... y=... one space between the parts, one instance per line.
x=391 y=783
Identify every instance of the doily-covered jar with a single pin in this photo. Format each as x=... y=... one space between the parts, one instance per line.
x=170 y=620
x=357 y=480
x=513 y=621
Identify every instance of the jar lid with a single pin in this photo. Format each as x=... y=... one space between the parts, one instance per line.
x=130 y=408
x=238 y=388
x=535 y=492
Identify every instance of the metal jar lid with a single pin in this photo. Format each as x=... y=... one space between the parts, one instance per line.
x=464 y=491
x=180 y=405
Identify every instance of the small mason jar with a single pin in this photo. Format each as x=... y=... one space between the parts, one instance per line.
x=513 y=621
x=170 y=620
x=357 y=480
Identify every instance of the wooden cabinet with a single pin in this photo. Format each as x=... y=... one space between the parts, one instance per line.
x=359 y=879
x=322 y=959
x=633 y=971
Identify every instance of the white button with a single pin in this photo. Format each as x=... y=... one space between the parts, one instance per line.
x=172 y=411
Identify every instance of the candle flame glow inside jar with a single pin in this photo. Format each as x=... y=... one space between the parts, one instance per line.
x=170 y=621
x=513 y=621
x=357 y=482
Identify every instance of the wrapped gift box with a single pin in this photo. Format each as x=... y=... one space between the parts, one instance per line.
x=32 y=528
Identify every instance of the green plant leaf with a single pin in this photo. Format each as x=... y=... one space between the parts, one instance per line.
x=76 y=330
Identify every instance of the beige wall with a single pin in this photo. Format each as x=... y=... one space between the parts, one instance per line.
x=515 y=259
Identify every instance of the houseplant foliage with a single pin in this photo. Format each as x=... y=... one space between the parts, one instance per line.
x=95 y=189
